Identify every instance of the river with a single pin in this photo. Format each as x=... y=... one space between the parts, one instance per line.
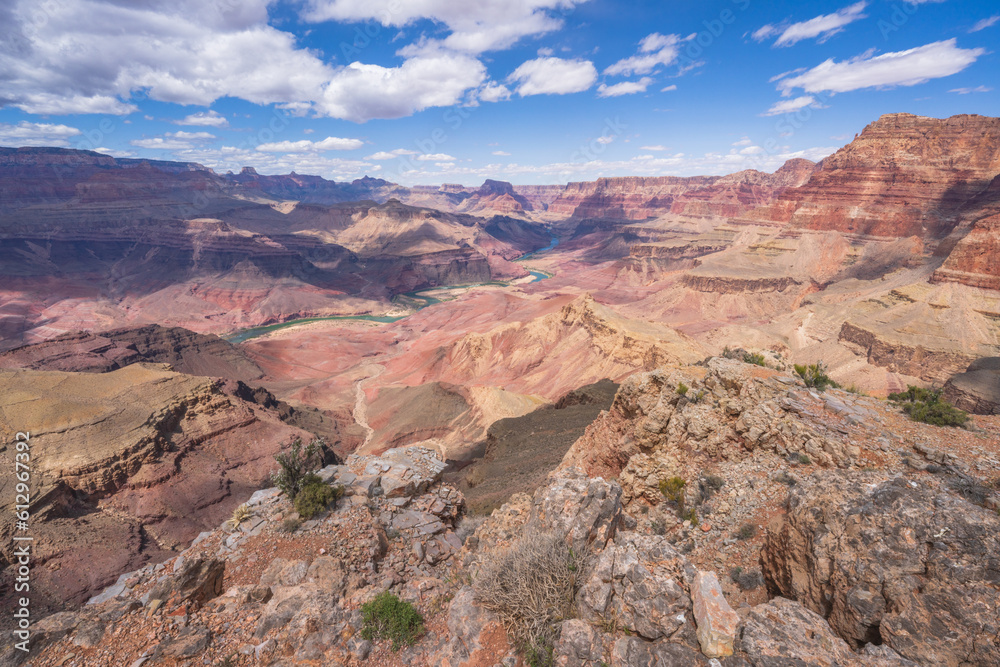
x=417 y=295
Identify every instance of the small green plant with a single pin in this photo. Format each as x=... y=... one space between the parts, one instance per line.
x=709 y=485
x=240 y=514
x=855 y=389
x=295 y=464
x=692 y=516
x=682 y=389
x=926 y=405
x=658 y=526
x=815 y=377
x=747 y=531
x=290 y=525
x=755 y=358
x=315 y=496
x=804 y=459
x=729 y=353
x=673 y=490
x=388 y=617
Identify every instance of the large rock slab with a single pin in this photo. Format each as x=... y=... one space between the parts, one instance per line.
x=908 y=564
x=716 y=620
x=977 y=390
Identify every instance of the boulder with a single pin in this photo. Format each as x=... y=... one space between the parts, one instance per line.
x=197 y=581
x=717 y=622
x=588 y=511
x=579 y=645
x=977 y=390
x=909 y=564
x=635 y=584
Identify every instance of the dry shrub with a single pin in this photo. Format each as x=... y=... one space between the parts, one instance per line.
x=530 y=585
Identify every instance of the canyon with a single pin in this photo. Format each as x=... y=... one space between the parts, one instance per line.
x=541 y=357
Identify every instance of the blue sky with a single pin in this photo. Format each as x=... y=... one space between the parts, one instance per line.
x=456 y=91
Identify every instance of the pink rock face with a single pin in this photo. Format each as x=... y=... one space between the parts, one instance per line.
x=716 y=620
x=975 y=261
x=905 y=175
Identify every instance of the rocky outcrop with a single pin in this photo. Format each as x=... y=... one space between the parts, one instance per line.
x=977 y=390
x=184 y=351
x=975 y=260
x=637 y=198
x=904 y=175
x=129 y=465
x=908 y=564
x=728 y=412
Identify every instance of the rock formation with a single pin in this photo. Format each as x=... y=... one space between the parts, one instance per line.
x=977 y=390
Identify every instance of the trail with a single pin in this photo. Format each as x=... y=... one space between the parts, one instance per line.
x=361 y=402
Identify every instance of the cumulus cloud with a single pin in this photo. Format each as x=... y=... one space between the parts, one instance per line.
x=787 y=106
x=436 y=157
x=553 y=76
x=654 y=148
x=36 y=134
x=475 y=27
x=390 y=155
x=624 y=88
x=822 y=27
x=897 y=68
x=306 y=146
x=205 y=119
x=654 y=50
x=179 y=140
x=983 y=24
x=361 y=92
x=745 y=141
x=501 y=153
x=493 y=92
x=102 y=56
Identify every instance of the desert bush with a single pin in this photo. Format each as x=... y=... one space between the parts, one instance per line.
x=747 y=531
x=530 y=586
x=240 y=514
x=855 y=389
x=804 y=459
x=708 y=485
x=673 y=490
x=682 y=389
x=747 y=580
x=814 y=375
x=388 y=617
x=290 y=525
x=971 y=489
x=295 y=464
x=315 y=496
x=926 y=405
x=729 y=353
x=755 y=358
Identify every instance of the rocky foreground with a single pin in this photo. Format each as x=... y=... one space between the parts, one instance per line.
x=825 y=529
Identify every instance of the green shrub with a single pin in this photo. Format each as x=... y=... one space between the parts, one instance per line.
x=290 y=525
x=315 y=496
x=530 y=586
x=673 y=490
x=682 y=388
x=804 y=459
x=814 y=375
x=295 y=465
x=729 y=353
x=755 y=358
x=388 y=617
x=925 y=405
x=747 y=580
x=856 y=390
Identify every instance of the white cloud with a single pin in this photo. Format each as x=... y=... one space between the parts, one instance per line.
x=654 y=148
x=391 y=155
x=606 y=139
x=475 y=27
x=624 y=88
x=233 y=158
x=966 y=91
x=181 y=134
x=983 y=24
x=654 y=50
x=669 y=88
x=824 y=27
x=93 y=56
x=36 y=134
x=173 y=140
x=501 y=153
x=545 y=51
x=898 y=68
x=553 y=76
x=745 y=141
x=493 y=92
x=436 y=157
x=204 y=118
x=362 y=92
x=786 y=106
x=306 y=146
